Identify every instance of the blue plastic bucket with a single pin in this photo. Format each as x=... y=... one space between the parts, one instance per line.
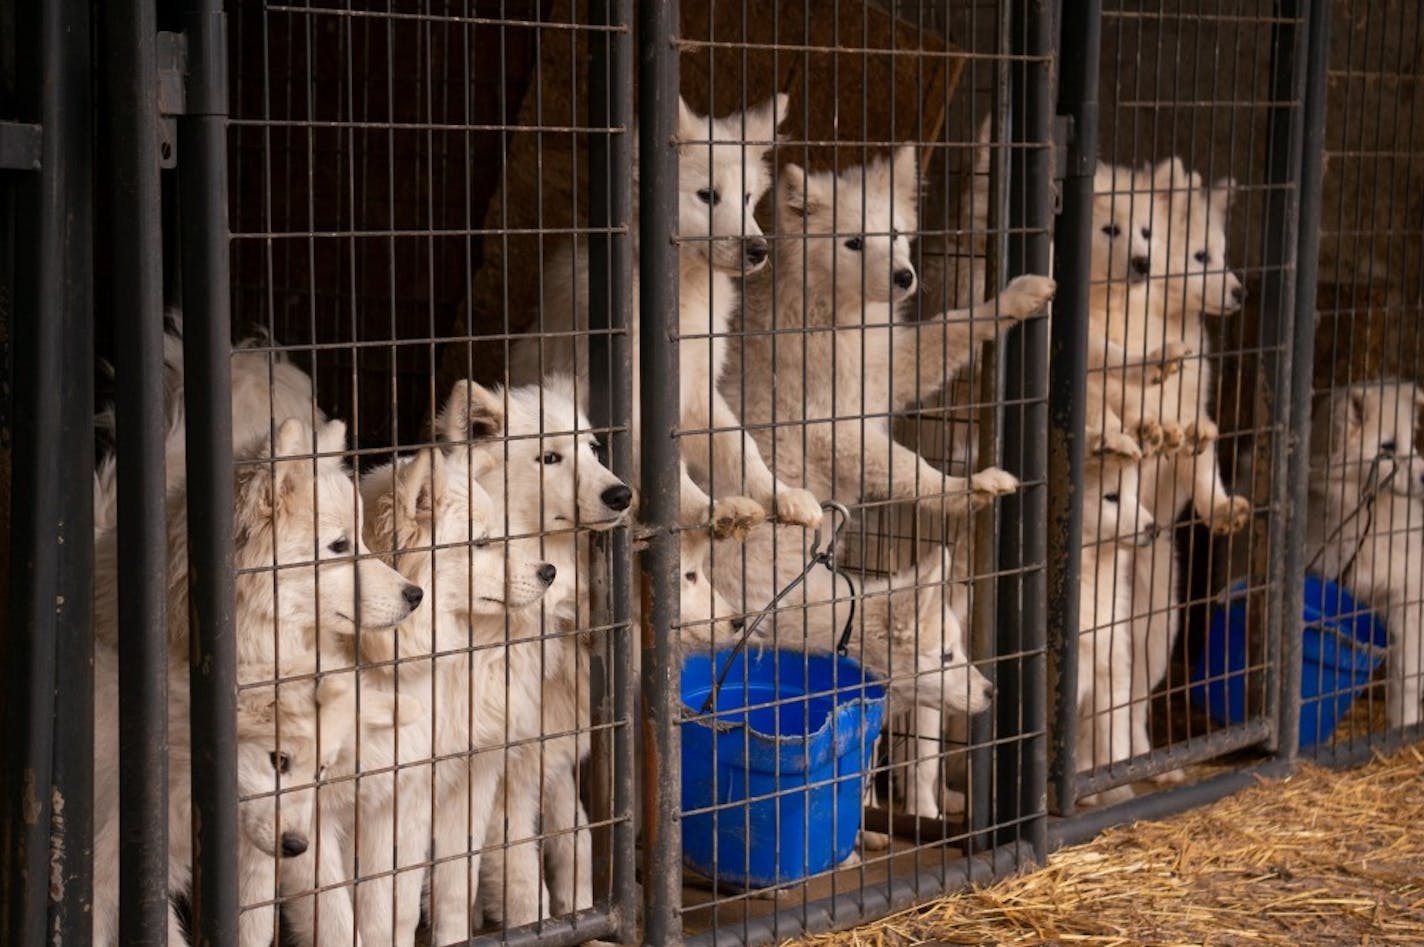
x=773 y=781
x=1341 y=645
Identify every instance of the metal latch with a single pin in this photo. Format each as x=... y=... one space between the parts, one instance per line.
x=172 y=94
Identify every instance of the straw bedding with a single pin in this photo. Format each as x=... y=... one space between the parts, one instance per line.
x=1322 y=857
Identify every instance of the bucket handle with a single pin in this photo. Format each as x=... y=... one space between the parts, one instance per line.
x=819 y=556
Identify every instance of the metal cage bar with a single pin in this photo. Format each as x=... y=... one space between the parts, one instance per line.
x=1067 y=379
x=206 y=293
x=611 y=372
x=657 y=26
x=129 y=105
x=46 y=875
x=1021 y=764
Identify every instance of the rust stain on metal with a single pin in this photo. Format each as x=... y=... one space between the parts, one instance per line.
x=56 y=845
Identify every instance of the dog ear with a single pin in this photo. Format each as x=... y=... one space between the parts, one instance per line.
x=1170 y=175
x=796 y=197
x=331 y=437
x=292 y=448
x=691 y=127
x=1357 y=408
x=906 y=165
x=1221 y=195
x=471 y=413
x=762 y=121
x=416 y=488
x=906 y=170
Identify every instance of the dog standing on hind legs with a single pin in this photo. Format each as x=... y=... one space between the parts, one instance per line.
x=722 y=174
x=841 y=270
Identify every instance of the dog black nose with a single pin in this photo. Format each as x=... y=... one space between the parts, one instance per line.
x=988 y=691
x=1239 y=294
x=904 y=278
x=413 y=596
x=1140 y=265
x=756 y=250
x=293 y=844
x=547 y=573
x=738 y=624
x=617 y=497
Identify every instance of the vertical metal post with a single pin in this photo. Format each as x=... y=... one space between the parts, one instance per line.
x=49 y=689
x=1022 y=759
x=1299 y=56
x=207 y=339
x=1067 y=378
x=658 y=74
x=129 y=110
x=611 y=381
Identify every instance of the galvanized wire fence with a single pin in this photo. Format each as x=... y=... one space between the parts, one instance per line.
x=447 y=588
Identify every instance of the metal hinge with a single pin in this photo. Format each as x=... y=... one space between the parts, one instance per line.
x=20 y=146
x=172 y=94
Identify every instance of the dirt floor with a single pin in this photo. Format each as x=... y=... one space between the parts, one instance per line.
x=1323 y=857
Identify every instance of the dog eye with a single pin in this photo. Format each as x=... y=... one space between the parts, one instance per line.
x=480 y=542
x=708 y=196
x=281 y=762
x=1388 y=447
x=1110 y=497
x=1146 y=233
x=691 y=577
x=1201 y=257
x=855 y=243
x=551 y=457
x=341 y=547
x=749 y=197
x=1112 y=230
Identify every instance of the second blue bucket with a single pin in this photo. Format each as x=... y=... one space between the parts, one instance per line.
x=771 y=785
x=1341 y=645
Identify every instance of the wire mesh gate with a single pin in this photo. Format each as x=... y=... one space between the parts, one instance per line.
x=916 y=161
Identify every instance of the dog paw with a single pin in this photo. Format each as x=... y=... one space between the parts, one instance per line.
x=798 y=507
x=874 y=841
x=1107 y=797
x=851 y=860
x=989 y=484
x=1114 y=444
x=1200 y=434
x=1166 y=361
x=1026 y=296
x=1150 y=437
x=1173 y=777
x=1173 y=437
x=1230 y=515
x=735 y=517
x=953 y=802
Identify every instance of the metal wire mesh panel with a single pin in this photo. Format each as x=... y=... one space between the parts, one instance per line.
x=1362 y=671
x=557 y=494
x=408 y=183
x=1176 y=657
x=835 y=751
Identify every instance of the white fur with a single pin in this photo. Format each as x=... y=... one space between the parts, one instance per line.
x=1146 y=320
x=722 y=175
x=1362 y=445
x=1114 y=524
x=904 y=630
x=287 y=734
x=853 y=361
